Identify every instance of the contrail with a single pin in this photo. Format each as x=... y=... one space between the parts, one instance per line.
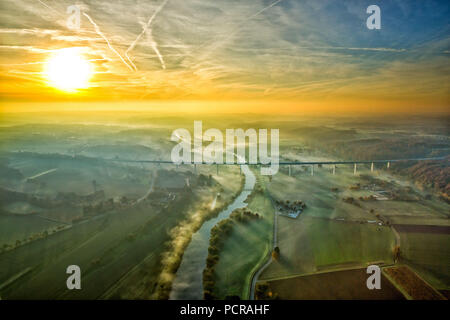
x=251 y=17
x=153 y=43
x=155 y=48
x=239 y=25
x=264 y=9
x=97 y=29
x=48 y=7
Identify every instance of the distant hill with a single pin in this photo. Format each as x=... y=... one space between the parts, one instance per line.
x=431 y=174
x=8 y=174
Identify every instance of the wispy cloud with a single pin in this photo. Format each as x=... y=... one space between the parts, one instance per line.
x=236 y=29
x=27 y=48
x=100 y=33
x=48 y=7
x=201 y=49
x=364 y=49
x=152 y=42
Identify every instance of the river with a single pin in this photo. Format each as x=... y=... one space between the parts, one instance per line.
x=188 y=282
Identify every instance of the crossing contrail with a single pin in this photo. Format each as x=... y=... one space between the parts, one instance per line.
x=97 y=29
x=237 y=29
x=155 y=48
x=153 y=43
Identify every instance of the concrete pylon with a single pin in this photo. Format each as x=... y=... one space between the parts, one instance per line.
x=312 y=169
x=371 y=167
x=334 y=169
x=388 y=164
x=354 y=168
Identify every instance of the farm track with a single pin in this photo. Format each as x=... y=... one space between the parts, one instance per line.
x=274 y=244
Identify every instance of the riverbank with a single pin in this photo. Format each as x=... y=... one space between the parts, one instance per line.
x=188 y=282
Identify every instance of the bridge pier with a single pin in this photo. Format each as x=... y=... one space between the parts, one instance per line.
x=388 y=164
x=312 y=170
x=354 y=169
x=334 y=169
x=371 y=167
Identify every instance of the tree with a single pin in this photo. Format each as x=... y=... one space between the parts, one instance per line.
x=276 y=253
x=396 y=252
x=123 y=200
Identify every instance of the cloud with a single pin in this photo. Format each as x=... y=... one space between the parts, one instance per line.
x=152 y=42
x=97 y=29
x=199 y=49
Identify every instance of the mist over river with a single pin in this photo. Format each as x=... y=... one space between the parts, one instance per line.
x=188 y=283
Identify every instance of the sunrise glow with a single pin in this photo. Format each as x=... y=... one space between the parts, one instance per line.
x=68 y=70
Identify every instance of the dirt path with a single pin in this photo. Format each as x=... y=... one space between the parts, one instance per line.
x=269 y=261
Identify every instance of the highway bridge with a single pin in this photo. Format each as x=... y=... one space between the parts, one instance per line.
x=281 y=163
x=292 y=163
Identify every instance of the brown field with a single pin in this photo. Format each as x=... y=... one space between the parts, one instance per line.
x=445 y=293
x=422 y=228
x=340 y=285
x=409 y=281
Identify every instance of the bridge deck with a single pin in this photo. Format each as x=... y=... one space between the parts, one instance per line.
x=281 y=163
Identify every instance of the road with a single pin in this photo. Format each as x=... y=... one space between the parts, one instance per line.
x=41 y=174
x=269 y=261
x=149 y=190
x=281 y=163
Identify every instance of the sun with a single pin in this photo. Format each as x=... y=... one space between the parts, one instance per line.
x=68 y=70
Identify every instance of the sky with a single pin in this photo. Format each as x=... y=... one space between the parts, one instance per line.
x=275 y=56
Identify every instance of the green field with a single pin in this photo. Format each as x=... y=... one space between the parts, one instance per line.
x=333 y=234
x=429 y=255
x=18 y=227
x=244 y=249
x=106 y=247
x=336 y=243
